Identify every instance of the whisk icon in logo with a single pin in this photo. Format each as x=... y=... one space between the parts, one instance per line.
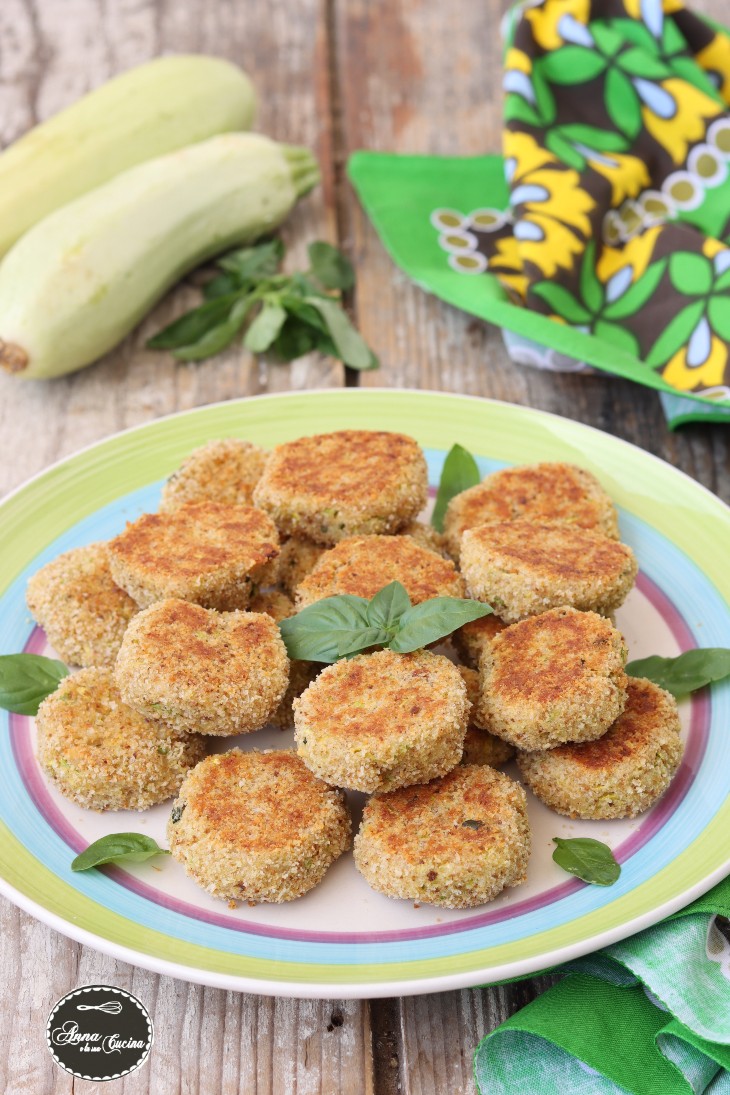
x=99 y=1032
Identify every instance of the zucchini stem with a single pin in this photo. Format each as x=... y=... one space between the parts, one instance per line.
x=303 y=166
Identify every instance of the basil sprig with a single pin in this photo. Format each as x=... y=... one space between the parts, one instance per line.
x=685 y=673
x=459 y=472
x=117 y=848
x=588 y=859
x=339 y=627
x=26 y=680
x=286 y=315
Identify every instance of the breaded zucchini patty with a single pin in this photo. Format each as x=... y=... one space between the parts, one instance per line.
x=103 y=754
x=297 y=558
x=204 y=552
x=455 y=842
x=80 y=607
x=539 y=492
x=200 y=670
x=362 y=565
x=347 y=483
x=257 y=826
x=221 y=471
x=522 y=568
x=383 y=720
x=620 y=775
x=480 y=747
x=301 y=674
x=553 y=678
x=471 y=640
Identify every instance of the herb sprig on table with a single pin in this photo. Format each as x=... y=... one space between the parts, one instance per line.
x=341 y=626
x=286 y=315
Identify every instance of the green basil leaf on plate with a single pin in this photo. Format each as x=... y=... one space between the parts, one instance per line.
x=387 y=607
x=588 y=859
x=459 y=472
x=685 y=673
x=26 y=680
x=117 y=848
x=433 y=620
x=314 y=634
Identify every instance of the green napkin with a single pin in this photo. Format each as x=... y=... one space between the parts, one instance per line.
x=649 y=1016
x=602 y=234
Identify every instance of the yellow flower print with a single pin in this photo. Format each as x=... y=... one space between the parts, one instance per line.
x=637 y=254
x=551 y=209
x=715 y=59
x=712 y=247
x=517 y=60
x=710 y=372
x=634 y=8
x=506 y=263
x=676 y=114
x=545 y=19
x=627 y=175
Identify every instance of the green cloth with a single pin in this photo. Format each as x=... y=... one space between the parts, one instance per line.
x=603 y=233
x=649 y=1016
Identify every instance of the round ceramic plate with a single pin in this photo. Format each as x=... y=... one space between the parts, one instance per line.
x=343 y=939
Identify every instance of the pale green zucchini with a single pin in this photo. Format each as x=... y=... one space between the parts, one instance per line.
x=81 y=279
x=150 y=110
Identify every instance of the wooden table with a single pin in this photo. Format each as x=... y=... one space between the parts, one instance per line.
x=337 y=75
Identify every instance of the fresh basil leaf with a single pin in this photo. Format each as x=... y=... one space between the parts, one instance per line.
x=329 y=266
x=26 y=680
x=588 y=859
x=356 y=641
x=194 y=325
x=247 y=263
x=295 y=339
x=433 y=620
x=387 y=607
x=265 y=328
x=459 y=472
x=314 y=634
x=217 y=338
x=220 y=286
x=351 y=348
x=685 y=673
x=116 y=848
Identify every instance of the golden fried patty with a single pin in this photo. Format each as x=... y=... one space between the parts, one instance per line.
x=471 y=639
x=553 y=678
x=347 y=483
x=539 y=492
x=624 y=772
x=200 y=670
x=257 y=826
x=455 y=842
x=104 y=755
x=301 y=673
x=480 y=747
x=383 y=720
x=522 y=568
x=205 y=552
x=297 y=558
x=82 y=610
x=362 y=565
x=221 y=471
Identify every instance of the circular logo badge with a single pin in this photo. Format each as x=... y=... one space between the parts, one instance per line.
x=99 y=1032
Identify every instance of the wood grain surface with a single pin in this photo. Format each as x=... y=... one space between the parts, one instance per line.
x=402 y=75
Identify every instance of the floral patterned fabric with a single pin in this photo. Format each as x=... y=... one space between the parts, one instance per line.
x=617 y=146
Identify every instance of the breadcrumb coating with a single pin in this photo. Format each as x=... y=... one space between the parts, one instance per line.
x=522 y=568
x=553 y=678
x=383 y=720
x=347 y=483
x=455 y=842
x=204 y=552
x=222 y=471
x=539 y=492
x=480 y=747
x=82 y=610
x=104 y=755
x=620 y=775
x=257 y=826
x=363 y=565
x=203 y=671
